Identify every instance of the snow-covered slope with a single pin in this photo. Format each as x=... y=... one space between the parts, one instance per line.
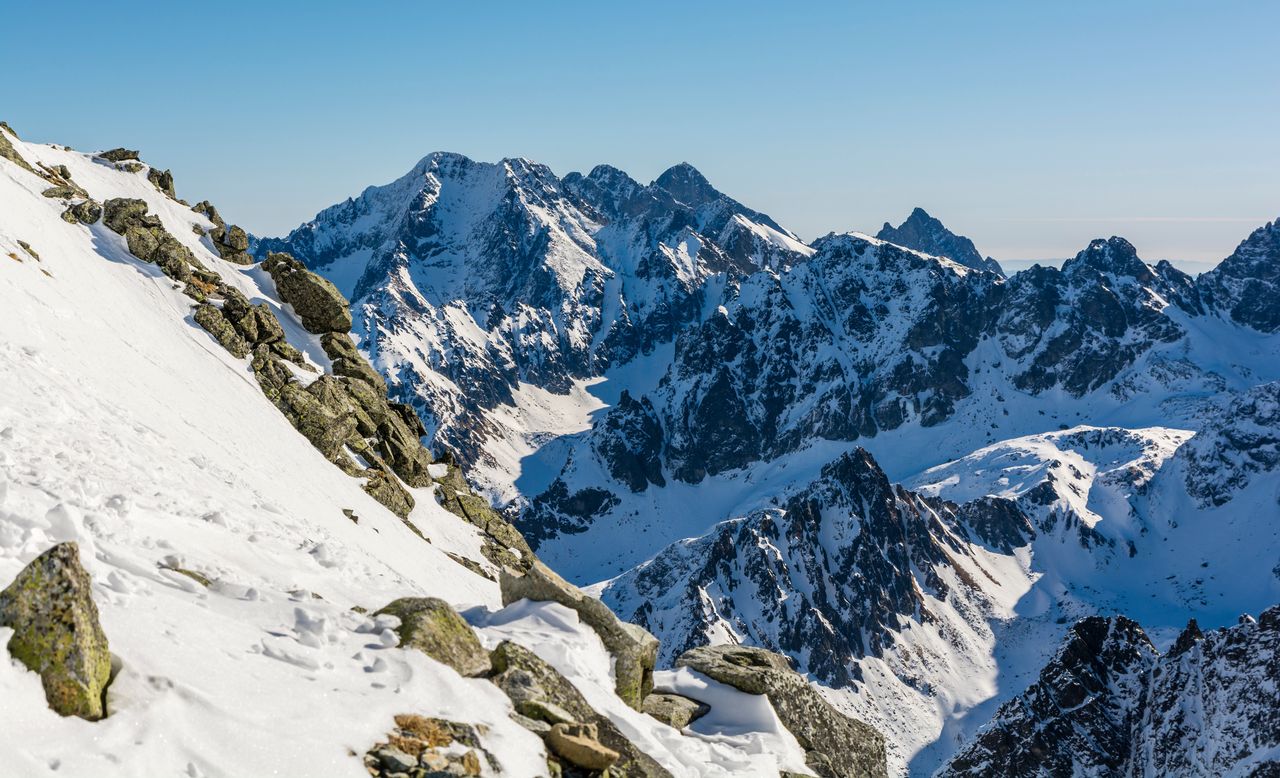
x=232 y=563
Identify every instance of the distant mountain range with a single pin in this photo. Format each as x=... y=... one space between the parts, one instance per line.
x=627 y=365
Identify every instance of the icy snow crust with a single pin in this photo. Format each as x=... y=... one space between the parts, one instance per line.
x=128 y=429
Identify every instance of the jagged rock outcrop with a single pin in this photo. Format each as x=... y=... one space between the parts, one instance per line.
x=631 y=443
x=163 y=180
x=538 y=691
x=1246 y=285
x=504 y=546
x=835 y=745
x=432 y=626
x=149 y=241
x=8 y=152
x=926 y=234
x=1109 y=704
x=634 y=650
x=1078 y=717
x=119 y=155
x=56 y=632
x=232 y=243
x=210 y=317
x=318 y=303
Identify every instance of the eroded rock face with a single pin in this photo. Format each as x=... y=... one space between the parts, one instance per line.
x=56 y=631
x=634 y=650
x=533 y=685
x=432 y=626
x=318 y=302
x=1069 y=721
x=835 y=745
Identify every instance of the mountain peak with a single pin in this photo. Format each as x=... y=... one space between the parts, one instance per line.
x=922 y=232
x=687 y=184
x=1111 y=255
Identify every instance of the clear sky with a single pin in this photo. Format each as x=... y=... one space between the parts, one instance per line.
x=1029 y=126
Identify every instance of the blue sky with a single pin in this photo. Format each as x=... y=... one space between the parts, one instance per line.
x=1031 y=127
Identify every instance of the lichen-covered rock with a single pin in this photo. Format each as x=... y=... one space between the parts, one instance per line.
x=317 y=301
x=255 y=323
x=120 y=212
x=348 y=361
x=231 y=242
x=118 y=155
x=579 y=744
x=836 y=746
x=329 y=428
x=163 y=180
x=10 y=153
x=504 y=546
x=59 y=192
x=674 y=710
x=432 y=626
x=147 y=238
x=206 y=208
x=383 y=487
x=86 y=212
x=56 y=631
x=213 y=322
x=635 y=651
x=525 y=677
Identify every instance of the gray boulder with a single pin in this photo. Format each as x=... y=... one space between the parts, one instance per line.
x=836 y=746
x=579 y=745
x=635 y=651
x=674 y=710
x=433 y=627
x=56 y=632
